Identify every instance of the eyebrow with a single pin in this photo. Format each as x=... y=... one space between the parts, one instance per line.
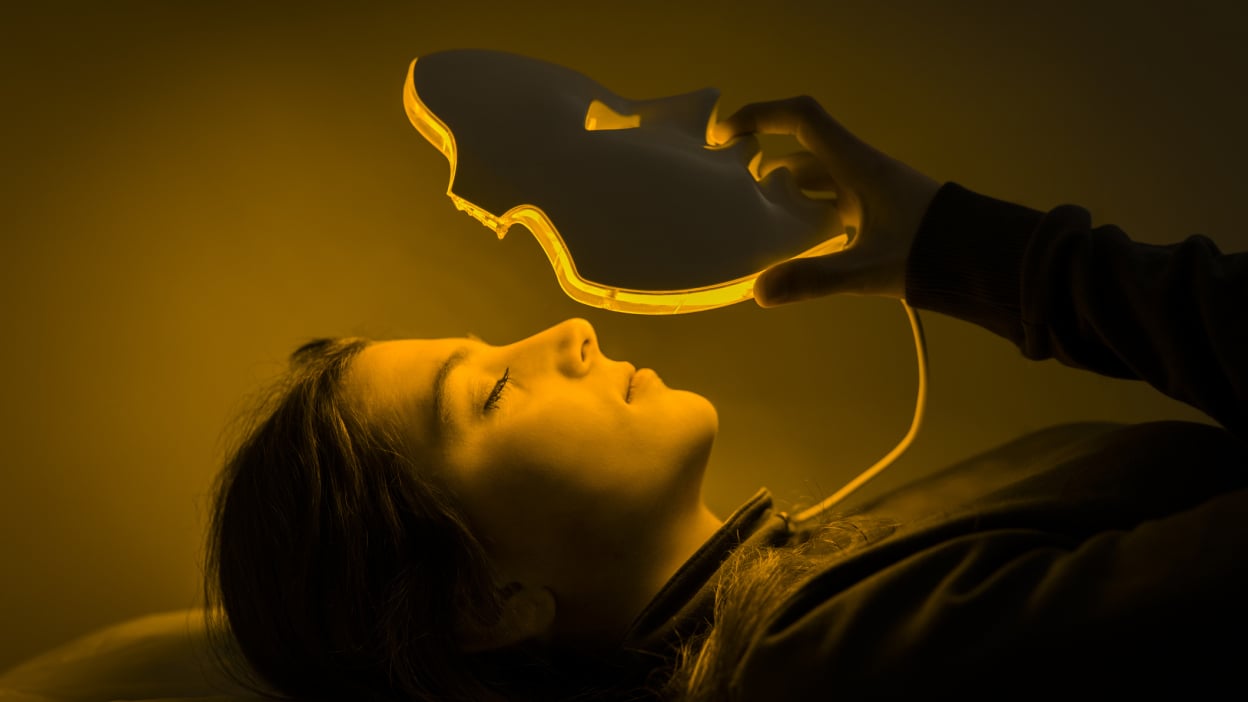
x=441 y=406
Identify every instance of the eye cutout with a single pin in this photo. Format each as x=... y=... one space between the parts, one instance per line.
x=599 y=117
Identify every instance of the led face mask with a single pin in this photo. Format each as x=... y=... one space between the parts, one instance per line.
x=636 y=212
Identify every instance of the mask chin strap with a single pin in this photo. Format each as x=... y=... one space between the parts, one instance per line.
x=920 y=346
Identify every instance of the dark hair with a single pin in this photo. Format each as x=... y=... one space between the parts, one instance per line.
x=336 y=567
x=339 y=569
x=754 y=584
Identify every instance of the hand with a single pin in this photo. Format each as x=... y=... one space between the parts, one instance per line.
x=887 y=197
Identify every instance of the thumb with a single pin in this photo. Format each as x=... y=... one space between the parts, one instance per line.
x=803 y=278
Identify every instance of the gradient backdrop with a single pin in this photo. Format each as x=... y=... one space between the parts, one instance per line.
x=191 y=191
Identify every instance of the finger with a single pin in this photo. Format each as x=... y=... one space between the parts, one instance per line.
x=770 y=117
x=808 y=171
x=804 y=278
x=801 y=117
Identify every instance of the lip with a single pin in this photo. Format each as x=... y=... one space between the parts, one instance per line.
x=628 y=380
x=639 y=381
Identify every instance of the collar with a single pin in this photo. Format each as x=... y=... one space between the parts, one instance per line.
x=686 y=602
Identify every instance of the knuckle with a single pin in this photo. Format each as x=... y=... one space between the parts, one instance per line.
x=806 y=106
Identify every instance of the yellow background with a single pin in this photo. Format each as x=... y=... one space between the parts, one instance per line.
x=191 y=192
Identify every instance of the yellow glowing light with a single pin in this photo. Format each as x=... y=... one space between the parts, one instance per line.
x=536 y=221
x=600 y=117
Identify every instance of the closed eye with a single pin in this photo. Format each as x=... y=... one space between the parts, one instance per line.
x=496 y=394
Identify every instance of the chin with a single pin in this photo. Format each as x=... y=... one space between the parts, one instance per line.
x=711 y=417
x=697 y=413
x=700 y=422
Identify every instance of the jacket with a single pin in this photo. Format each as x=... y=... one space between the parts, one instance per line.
x=1083 y=558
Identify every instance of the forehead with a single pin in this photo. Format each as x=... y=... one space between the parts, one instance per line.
x=392 y=382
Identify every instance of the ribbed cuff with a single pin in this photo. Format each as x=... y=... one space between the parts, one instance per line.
x=966 y=260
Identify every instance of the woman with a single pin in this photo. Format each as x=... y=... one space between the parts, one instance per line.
x=445 y=519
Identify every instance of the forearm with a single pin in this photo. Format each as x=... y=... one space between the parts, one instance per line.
x=1090 y=297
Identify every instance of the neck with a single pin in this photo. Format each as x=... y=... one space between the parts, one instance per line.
x=604 y=617
x=702 y=525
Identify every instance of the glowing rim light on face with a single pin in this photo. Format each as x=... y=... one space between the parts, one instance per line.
x=536 y=221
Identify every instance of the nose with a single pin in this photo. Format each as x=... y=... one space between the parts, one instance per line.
x=573 y=344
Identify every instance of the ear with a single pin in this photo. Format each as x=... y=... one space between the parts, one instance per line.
x=528 y=613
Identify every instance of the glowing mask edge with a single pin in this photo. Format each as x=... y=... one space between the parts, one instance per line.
x=538 y=223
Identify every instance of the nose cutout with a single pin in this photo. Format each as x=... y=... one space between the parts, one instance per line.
x=599 y=117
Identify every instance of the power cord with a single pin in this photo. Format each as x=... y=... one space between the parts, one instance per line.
x=920 y=346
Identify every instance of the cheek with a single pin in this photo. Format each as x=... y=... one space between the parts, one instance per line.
x=561 y=478
x=537 y=501
x=577 y=459
x=585 y=452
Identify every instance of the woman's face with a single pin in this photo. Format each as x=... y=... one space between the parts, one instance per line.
x=549 y=445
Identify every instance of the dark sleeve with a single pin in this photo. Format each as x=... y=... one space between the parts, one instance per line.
x=1102 y=570
x=1092 y=298
x=1122 y=614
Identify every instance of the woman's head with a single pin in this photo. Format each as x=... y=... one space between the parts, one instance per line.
x=401 y=505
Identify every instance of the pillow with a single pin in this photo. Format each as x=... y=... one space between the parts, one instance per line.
x=159 y=657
